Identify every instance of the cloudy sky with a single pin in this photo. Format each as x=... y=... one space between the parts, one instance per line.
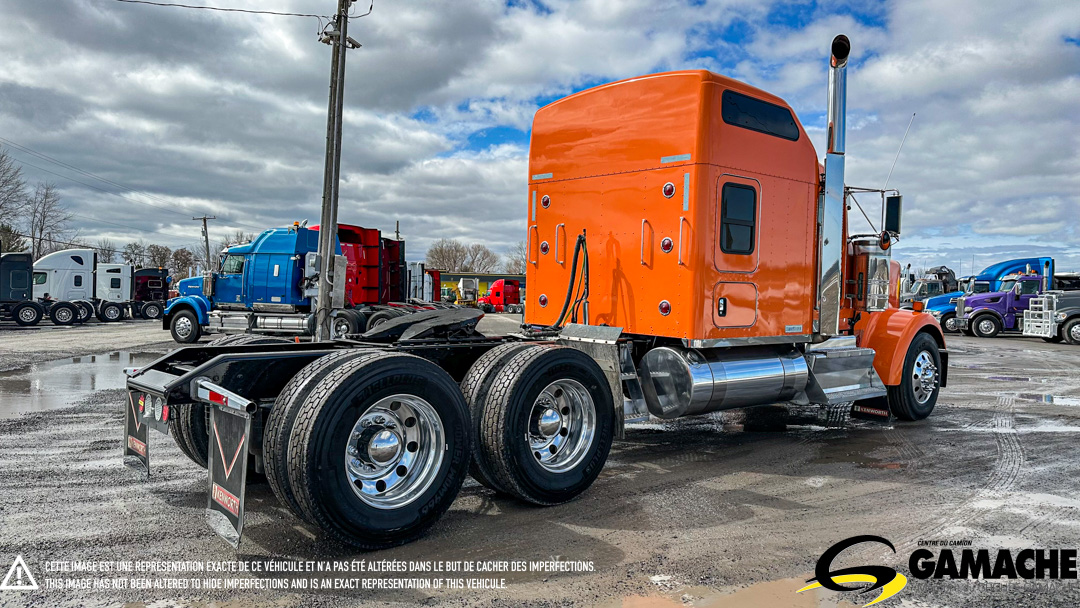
x=190 y=112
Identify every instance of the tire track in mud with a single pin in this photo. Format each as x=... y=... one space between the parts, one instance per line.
x=1002 y=478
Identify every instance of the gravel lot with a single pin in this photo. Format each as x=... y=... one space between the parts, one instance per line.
x=696 y=512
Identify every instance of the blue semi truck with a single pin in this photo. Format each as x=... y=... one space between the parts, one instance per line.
x=269 y=286
x=943 y=307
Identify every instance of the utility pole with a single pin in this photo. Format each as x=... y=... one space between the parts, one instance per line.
x=338 y=39
x=206 y=237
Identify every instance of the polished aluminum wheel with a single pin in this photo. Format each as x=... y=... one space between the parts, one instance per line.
x=562 y=425
x=924 y=377
x=183 y=327
x=395 y=451
x=1074 y=334
x=986 y=326
x=64 y=315
x=112 y=313
x=950 y=324
x=341 y=327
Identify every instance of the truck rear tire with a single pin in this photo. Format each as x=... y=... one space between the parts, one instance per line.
x=190 y=427
x=547 y=424
x=914 y=398
x=475 y=387
x=86 y=310
x=63 y=313
x=379 y=450
x=111 y=312
x=1071 y=332
x=986 y=326
x=185 y=328
x=27 y=313
x=378 y=319
x=150 y=310
x=279 y=424
x=343 y=324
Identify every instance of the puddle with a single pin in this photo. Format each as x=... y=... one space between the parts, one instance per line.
x=58 y=384
x=1051 y=399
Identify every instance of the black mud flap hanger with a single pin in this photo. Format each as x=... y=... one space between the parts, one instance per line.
x=144 y=410
x=230 y=438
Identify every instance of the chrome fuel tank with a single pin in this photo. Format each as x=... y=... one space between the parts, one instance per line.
x=684 y=382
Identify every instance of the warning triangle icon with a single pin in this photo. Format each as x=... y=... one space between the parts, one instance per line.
x=19 y=578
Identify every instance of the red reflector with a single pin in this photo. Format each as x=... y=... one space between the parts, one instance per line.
x=669 y=190
x=543 y=300
x=544 y=248
x=665 y=308
x=545 y=201
x=666 y=245
x=218 y=398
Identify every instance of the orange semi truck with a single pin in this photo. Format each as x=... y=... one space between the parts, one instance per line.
x=687 y=253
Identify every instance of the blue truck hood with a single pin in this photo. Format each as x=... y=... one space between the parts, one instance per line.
x=943 y=302
x=190 y=287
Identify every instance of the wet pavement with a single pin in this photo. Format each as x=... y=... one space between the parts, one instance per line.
x=695 y=512
x=58 y=384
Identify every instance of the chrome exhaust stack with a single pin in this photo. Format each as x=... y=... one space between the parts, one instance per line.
x=831 y=204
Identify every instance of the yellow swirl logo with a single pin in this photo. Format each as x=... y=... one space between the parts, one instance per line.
x=888 y=580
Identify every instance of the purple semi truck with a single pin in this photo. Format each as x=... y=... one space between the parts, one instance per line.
x=986 y=315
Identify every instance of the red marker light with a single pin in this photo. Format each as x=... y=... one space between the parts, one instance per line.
x=669 y=190
x=666 y=245
x=544 y=248
x=545 y=201
x=665 y=308
x=543 y=300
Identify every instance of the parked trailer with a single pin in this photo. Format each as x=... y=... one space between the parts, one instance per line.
x=16 y=290
x=747 y=290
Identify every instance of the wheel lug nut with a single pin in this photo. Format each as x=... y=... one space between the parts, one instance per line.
x=365 y=423
x=355 y=462
x=379 y=420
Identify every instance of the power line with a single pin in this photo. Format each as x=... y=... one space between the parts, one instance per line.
x=223 y=9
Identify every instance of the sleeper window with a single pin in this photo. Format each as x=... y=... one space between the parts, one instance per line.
x=738 y=210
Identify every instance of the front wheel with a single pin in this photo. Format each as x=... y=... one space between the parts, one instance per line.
x=948 y=323
x=185 y=327
x=27 y=313
x=547 y=425
x=914 y=398
x=986 y=326
x=150 y=310
x=379 y=450
x=1071 y=332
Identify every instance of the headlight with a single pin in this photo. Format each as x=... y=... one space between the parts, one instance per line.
x=1059 y=317
x=936 y=314
x=968 y=309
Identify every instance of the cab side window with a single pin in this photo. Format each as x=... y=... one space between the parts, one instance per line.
x=1029 y=287
x=40 y=278
x=233 y=264
x=738 y=210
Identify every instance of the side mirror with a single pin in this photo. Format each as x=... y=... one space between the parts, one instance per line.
x=1017 y=287
x=893 y=207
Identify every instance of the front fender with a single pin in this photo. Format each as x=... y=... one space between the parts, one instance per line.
x=984 y=311
x=890 y=333
x=198 y=304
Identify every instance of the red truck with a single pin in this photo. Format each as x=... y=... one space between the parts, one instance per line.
x=502 y=296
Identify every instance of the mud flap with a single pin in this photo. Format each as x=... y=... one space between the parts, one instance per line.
x=230 y=438
x=136 y=433
x=874 y=410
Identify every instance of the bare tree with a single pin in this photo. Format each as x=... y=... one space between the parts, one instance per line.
x=106 y=250
x=516 y=259
x=11 y=239
x=134 y=253
x=12 y=188
x=47 y=220
x=237 y=238
x=480 y=259
x=158 y=256
x=448 y=255
x=183 y=262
